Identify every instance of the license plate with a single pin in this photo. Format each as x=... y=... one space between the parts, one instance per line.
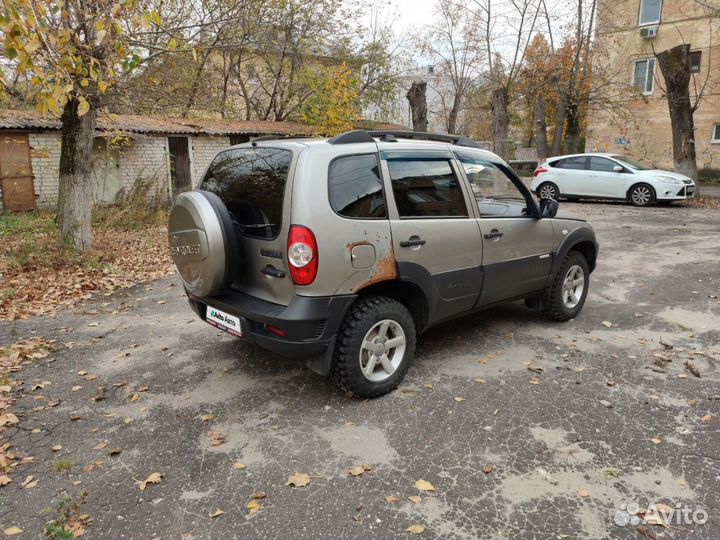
x=223 y=321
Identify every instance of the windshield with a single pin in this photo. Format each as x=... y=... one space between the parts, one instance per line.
x=632 y=163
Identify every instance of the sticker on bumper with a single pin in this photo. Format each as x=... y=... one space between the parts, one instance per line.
x=223 y=321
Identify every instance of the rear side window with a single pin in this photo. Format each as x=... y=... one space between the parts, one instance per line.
x=251 y=183
x=426 y=188
x=356 y=187
x=570 y=163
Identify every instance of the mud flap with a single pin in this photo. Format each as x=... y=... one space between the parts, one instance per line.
x=321 y=364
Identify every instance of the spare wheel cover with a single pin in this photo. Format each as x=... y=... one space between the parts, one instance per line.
x=201 y=238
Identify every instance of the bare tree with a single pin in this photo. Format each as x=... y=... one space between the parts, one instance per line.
x=418 y=105
x=455 y=45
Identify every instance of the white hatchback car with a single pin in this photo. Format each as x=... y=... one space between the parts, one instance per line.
x=608 y=176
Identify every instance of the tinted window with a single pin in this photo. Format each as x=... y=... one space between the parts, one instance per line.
x=356 y=187
x=426 y=188
x=601 y=164
x=570 y=163
x=251 y=183
x=491 y=186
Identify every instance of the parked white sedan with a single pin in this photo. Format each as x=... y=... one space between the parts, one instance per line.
x=608 y=176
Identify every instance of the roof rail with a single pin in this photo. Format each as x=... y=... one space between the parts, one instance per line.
x=281 y=136
x=349 y=137
x=425 y=136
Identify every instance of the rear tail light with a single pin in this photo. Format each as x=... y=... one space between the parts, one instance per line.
x=302 y=254
x=539 y=171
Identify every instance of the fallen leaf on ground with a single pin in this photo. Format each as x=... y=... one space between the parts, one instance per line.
x=583 y=493
x=100 y=446
x=655 y=440
x=135 y=397
x=607 y=323
x=259 y=495
x=534 y=380
x=31 y=484
x=415 y=498
x=692 y=369
x=8 y=419
x=487 y=469
x=480 y=380
x=391 y=499
x=207 y=417
x=707 y=418
x=216 y=438
x=646 y=532
x=27 y=480
x=253 y=506
x=5 y=388
x=115 y=452
x=56 y=448
x=459 y=399
x=359 y=470
x=429 y=386
x=216 y=513
x=239 y=466
x=76 y=388
x=424 y=485
x=4 y=480
x=298 y=480
x=12 y=531
x=154 y=478
x=415 y=529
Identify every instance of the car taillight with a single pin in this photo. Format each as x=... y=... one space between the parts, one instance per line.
x=302 y=254
x=539 y=170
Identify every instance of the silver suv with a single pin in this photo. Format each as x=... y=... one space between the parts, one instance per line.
x=343 y=250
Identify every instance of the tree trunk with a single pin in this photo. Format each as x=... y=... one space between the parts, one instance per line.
x=75 y=183
x=675 y=67
x=541 y=142
x=573 y=131
x=559 y=126
x=453 y=114
x=418 y=105
x=500 y=122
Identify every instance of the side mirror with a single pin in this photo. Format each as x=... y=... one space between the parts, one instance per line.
x=618 y=168
x=549 y=208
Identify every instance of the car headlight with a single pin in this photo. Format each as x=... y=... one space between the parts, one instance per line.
x=670 y=180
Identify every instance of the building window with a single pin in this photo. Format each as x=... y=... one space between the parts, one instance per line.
x=650 y=11
x=643 y=75
x=716 y=133
x=695 y=61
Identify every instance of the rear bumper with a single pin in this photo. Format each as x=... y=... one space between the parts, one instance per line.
x=310 y=324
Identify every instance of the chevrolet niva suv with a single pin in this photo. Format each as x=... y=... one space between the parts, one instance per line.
x=341 y=251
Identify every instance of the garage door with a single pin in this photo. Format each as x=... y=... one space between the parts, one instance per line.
x=16 y=181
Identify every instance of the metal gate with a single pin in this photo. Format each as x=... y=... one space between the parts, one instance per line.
x=16 y=179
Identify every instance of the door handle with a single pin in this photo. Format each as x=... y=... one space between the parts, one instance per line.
x=413 y=241
x=492 y=235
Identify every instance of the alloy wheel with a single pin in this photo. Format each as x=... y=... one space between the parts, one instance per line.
x=382 y=350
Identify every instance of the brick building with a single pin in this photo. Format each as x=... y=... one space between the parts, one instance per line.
x=627 y=75
x=167 y=154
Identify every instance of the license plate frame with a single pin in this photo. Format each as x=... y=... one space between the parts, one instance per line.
x=223 y=320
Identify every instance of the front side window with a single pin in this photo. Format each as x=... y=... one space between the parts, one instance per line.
x=716 y=133
x=650 y=11
x=356 y=187
x=490 y=185
x=426 y=187
x=577 y=162
x=644 y=74
x=601 y=164
x=251 y=183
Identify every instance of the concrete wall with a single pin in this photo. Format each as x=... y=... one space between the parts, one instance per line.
x=626 y=122
x=145 y=158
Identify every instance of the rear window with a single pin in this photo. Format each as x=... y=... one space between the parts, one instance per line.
x=251 y=183
x=356 y=188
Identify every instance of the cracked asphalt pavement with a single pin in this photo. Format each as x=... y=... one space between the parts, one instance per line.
x=569 y=420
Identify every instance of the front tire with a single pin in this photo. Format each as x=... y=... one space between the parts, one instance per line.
x=641 y=195
x=569 y=288
x=548 y=190
x=375 y=347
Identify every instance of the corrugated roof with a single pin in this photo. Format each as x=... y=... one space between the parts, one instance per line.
x=31 y=120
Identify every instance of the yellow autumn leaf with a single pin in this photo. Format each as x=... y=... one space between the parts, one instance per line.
x=415 y=499
x=239 y=466
x=102 y=87
x=154 y=478
x=298 y=480
x=583 y=493
x=83 y=109
x=84 y=83
x=357 y=471
x=216 y=513
x=424 y=485
x=391 y=499
x=12 y=531
x=415 y=529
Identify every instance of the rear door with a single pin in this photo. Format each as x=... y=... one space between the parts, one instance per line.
x=251 y=182
x=604 y=180
x=572 y=175
x=435 y=238
x=517 y=246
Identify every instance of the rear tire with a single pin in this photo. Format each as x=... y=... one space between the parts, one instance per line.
x=641 y=195
x=548 y=190
x=569 y=288
x=375 y=347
